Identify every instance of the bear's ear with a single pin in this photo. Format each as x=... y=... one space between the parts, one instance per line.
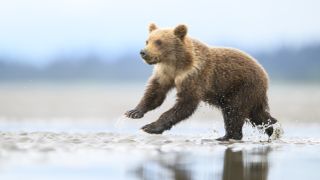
x=181 y=31
x=152 y=27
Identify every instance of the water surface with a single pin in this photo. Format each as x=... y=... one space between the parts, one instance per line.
x=78 y=132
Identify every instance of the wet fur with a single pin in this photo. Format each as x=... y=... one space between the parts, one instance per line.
x=226 y=78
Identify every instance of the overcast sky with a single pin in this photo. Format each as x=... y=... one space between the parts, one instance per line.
x=39 y=30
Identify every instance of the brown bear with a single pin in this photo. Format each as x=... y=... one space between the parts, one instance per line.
x=227 y=78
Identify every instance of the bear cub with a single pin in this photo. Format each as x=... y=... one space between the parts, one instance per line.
x=226 y=78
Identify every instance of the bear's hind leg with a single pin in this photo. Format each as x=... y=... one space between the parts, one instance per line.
x=233 y=122
x=261 y=117
x=270 y=129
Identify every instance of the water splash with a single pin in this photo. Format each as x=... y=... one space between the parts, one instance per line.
x=277 y=131
x=120 y=121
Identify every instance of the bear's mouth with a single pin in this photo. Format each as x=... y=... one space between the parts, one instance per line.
x=151 y=61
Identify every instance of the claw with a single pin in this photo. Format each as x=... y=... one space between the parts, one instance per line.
x=223 y=138
x=153 y=128
x=135 y=114
x=228 y=138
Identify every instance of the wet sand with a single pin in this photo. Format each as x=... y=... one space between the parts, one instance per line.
x=64 y=133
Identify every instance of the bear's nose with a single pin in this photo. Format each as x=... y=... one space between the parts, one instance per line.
x=143 y=53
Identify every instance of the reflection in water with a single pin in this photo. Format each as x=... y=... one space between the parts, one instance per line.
x=246 y=165
x=242 y=164
x=166 y=167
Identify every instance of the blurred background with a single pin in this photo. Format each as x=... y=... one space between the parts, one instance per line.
x=70 y=69
x=79 y=58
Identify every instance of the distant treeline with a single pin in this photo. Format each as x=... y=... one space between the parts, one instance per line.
x=295 y=64
x=292 y=64
x=87 y=68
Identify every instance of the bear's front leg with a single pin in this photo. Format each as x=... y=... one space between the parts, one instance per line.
x=135 y=113
x=153 y=97
x=185 y=106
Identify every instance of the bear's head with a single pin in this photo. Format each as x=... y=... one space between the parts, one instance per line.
x=164 y=45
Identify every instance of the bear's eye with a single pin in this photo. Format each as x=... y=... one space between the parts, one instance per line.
x=147 y=42
x=158 y=42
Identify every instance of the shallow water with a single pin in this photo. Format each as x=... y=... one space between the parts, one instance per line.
x=105 y=150
x=67 y=133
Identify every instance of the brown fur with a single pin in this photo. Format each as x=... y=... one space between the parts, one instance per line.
x=224 y=77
